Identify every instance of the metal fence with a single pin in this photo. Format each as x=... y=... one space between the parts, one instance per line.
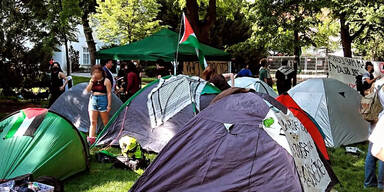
x=309 y=67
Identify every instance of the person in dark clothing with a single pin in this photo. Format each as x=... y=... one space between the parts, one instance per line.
x=161 y=69
x=57 y=86
x=133 y=80
x=121 y=81
x=210 y=75
x=107 y=69
x=284 y=76
x=368 y=79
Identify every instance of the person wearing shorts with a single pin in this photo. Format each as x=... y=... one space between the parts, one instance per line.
x=100 y=100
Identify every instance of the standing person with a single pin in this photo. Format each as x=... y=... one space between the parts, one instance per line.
x=57 y=86
x=284 y=76
x=100 y=101
x=107 y=69
x=264 y=73
x=368 y=79
x=161 y=69
x=210 y=75
x=121 y=81
x=370 y=179
x=133 y=80
x=245 y=72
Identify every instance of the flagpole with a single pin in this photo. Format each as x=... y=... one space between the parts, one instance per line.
x=178 y=44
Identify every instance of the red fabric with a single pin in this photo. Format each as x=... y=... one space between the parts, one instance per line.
x=133 y=83
x=33 y=112
x=187 y=29
x=299 y=113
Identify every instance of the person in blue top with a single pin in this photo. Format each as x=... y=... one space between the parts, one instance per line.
x=245 y=72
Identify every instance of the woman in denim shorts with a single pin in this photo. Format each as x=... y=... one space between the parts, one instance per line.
x=100 y=100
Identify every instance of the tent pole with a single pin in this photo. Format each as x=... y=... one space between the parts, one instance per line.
x=178 y=45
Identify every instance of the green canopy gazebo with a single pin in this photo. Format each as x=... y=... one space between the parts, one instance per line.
x=161 y=45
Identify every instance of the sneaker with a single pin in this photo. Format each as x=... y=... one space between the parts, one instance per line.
x=91 y=140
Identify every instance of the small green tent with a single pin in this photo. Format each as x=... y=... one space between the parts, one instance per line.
x=39 y=142
x=160 y=45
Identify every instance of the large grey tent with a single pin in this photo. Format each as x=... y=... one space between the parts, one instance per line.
x=73 y=105
x=239 y=143
x=335 y=107
x=157 y=112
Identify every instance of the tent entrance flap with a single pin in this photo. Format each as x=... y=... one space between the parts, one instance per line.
x=173 y=95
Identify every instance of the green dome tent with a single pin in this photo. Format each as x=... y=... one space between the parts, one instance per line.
x=39 y=142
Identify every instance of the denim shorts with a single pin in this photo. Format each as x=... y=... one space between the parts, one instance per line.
x=98 y=103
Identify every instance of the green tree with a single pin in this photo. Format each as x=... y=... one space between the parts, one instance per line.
x=88 y=7
x=29 y=33
x=294 y=17
x=359 y=19
x=120 y=21
x=202 y=14
x=327 y=31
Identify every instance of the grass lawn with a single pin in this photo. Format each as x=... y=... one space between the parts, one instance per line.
x=76 y=80
x=101 y=177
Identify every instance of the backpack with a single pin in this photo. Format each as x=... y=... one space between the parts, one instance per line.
x=370 y=105
x=359 y=84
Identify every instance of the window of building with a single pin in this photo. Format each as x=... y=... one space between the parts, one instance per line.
x=86 y=56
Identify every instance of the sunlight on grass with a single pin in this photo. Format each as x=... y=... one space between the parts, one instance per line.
x=76 y=80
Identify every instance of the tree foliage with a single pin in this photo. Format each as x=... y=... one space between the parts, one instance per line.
x=121 y=21
x=359 y=20
x=29 y=34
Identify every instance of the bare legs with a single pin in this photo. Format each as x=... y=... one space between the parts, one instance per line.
x=104 y=117
x=93 y=117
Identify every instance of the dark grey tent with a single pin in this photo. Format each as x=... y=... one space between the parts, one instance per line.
x=239 y=143
x=157 y=112
x=73 y=105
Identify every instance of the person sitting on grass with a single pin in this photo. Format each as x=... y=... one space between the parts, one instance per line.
x=131 y=150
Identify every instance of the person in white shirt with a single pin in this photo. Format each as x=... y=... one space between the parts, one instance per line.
x=374 y=147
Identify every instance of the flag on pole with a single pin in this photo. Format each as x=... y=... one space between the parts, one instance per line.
x=189 y=38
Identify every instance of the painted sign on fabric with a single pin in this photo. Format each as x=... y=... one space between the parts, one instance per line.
x=346 y=69
x=312 y=171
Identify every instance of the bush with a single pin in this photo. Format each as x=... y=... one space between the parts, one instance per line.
x=150 y=71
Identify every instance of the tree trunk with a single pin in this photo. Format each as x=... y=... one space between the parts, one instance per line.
x=88 y=36
x=202 y=29
x=346 y=40
x=67 y=56
x=297 y=53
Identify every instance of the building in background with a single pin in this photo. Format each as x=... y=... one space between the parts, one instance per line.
x=80 y=46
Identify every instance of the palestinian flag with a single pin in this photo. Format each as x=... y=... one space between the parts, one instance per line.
x=27 y=122
x=189 y=38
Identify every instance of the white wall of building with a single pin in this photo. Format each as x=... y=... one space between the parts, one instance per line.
x=81 y=46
